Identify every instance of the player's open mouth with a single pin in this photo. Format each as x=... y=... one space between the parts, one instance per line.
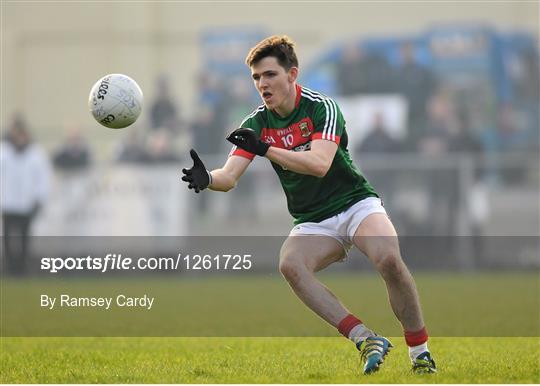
x=266 y=95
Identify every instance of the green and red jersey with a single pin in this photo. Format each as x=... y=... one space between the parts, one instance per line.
x=315 y=116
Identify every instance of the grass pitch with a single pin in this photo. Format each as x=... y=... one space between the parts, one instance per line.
x=258 y=360
x=303 y=349
x=474 y=305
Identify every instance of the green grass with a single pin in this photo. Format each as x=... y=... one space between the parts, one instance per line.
x=484 y=329
x=263 y=305
x=257 y=360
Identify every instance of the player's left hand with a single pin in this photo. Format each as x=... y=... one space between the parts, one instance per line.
x=247 y=139
x=198 y=178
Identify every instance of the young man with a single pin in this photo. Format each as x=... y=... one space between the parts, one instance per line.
x=303 y=134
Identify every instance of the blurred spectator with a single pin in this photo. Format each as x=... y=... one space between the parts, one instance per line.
x=362 y=73
x=25 y=187
x=210 y=92
x=214 y=107
x=416 y=83
x=524 y=71
x=74 y=154
x=164 y=113
x=241 y=100
x=447 y=132
x=511 y=135
x=158 y=149
x=131 y=149
x=440 y=123
x=378 y=140
x=203 y=131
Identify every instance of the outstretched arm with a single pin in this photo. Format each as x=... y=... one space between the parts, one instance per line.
x=226 y=178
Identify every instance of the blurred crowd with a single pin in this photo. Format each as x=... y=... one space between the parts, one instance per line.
x=441 y=115
x=441 y=119
x=451 y=119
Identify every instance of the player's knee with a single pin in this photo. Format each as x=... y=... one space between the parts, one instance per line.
x=389 y=264
x=291 y=267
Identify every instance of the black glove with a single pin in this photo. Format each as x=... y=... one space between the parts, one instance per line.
x=247 y=139
x=198 y=177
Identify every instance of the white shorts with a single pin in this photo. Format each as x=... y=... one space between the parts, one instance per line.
x=342 y=226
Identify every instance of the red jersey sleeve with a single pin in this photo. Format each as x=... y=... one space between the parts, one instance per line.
x=241 y=152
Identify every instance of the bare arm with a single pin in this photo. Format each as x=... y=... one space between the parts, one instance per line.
x=315 y=162
x=226 y=178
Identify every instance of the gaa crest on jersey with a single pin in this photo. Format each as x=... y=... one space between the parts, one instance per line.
x=304 y=129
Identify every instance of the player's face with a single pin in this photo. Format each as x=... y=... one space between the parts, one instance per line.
x=275 y=85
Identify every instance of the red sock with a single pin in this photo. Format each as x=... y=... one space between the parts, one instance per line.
x=347 y=324
x=415 y=338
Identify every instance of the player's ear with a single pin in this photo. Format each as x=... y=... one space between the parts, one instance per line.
x=293 y=74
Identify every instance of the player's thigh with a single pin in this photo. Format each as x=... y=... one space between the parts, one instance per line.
x=376 y=237
x=314 y=251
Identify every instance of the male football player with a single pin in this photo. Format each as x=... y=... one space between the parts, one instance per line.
x=302 y=133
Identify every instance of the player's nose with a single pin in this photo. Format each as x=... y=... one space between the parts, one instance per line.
x=263 y=83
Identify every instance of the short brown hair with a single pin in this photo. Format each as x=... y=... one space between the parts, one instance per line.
x=280 y=47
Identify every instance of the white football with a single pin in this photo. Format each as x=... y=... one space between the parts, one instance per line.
x=115 y=101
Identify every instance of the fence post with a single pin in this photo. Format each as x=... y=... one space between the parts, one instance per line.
x=466 y=168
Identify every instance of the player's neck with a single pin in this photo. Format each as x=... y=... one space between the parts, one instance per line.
x=288 y=104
